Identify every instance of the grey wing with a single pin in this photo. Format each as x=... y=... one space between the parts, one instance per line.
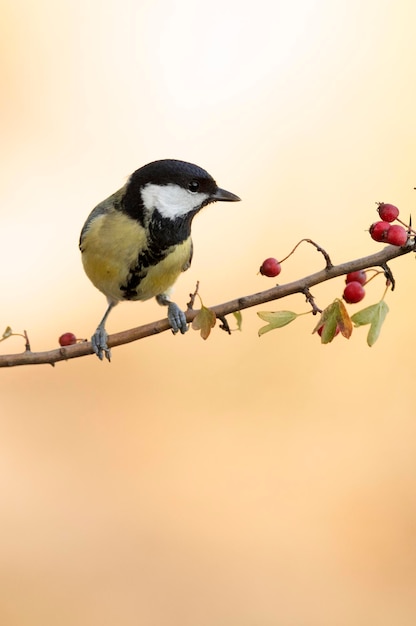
x=105 y=206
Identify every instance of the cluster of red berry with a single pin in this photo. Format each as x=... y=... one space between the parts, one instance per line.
x=335 y=318
x=384 y=231
x=354 y=289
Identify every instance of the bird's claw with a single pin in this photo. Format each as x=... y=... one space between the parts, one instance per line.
x=99 y=344
x=177 y=318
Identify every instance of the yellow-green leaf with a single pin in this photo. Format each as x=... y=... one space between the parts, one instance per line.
x=7 y=333
x=375 y=314
x=238 y=319
x=204 y=321
x=276 y=319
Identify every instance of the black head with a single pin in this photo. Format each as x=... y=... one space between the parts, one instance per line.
x=173 y=188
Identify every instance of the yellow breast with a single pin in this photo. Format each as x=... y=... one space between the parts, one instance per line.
x=162 y=276
x=110 y=248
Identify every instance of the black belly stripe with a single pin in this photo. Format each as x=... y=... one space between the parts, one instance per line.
x=164 y=235
x=148 y=258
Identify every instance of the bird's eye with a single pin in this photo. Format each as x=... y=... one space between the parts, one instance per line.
x=193 y=186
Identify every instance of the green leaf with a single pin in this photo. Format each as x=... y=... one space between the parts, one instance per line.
x=204 y=321
x=365 y=316
x=375 y=314
x=334 y=316
x=276 y=319
x=329 y=329
x=238 y=319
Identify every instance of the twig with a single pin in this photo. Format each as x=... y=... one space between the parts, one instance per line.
x=325 y=254
x=389 y=275
x=224 y=324
x=27 y=344
x=309 y=298
x=192 y=297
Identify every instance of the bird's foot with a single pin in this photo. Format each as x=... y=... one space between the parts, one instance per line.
x=177 y=318
x=99 y=344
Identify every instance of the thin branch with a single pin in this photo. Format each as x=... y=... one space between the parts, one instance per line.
x=309 y=298
x=192 y=296
x=324 y=253
x=27 y=345
x=224 y=324
x=221 y=310
x=389 y=275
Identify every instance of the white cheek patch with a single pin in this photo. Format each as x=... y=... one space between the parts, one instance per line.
x=171 y=200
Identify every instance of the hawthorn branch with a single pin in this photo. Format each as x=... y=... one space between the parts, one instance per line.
x=379 y=259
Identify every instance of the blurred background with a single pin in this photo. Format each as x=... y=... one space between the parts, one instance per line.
x=241 y=480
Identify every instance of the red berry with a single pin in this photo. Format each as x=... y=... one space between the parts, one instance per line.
x=397 y=235
x=359 y=276
x=353 y=292
x=378 y=231
x=67 y=339
x=270 y=267
x=388 y=212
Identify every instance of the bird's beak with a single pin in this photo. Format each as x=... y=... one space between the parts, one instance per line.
x=224 y=196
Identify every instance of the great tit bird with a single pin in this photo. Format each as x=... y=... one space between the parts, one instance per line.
x=135 y=243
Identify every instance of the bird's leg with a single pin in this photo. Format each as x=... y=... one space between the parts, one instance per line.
x=99 y=338
x=176 y=316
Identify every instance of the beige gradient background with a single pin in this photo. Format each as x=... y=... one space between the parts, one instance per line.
x=239 y=481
